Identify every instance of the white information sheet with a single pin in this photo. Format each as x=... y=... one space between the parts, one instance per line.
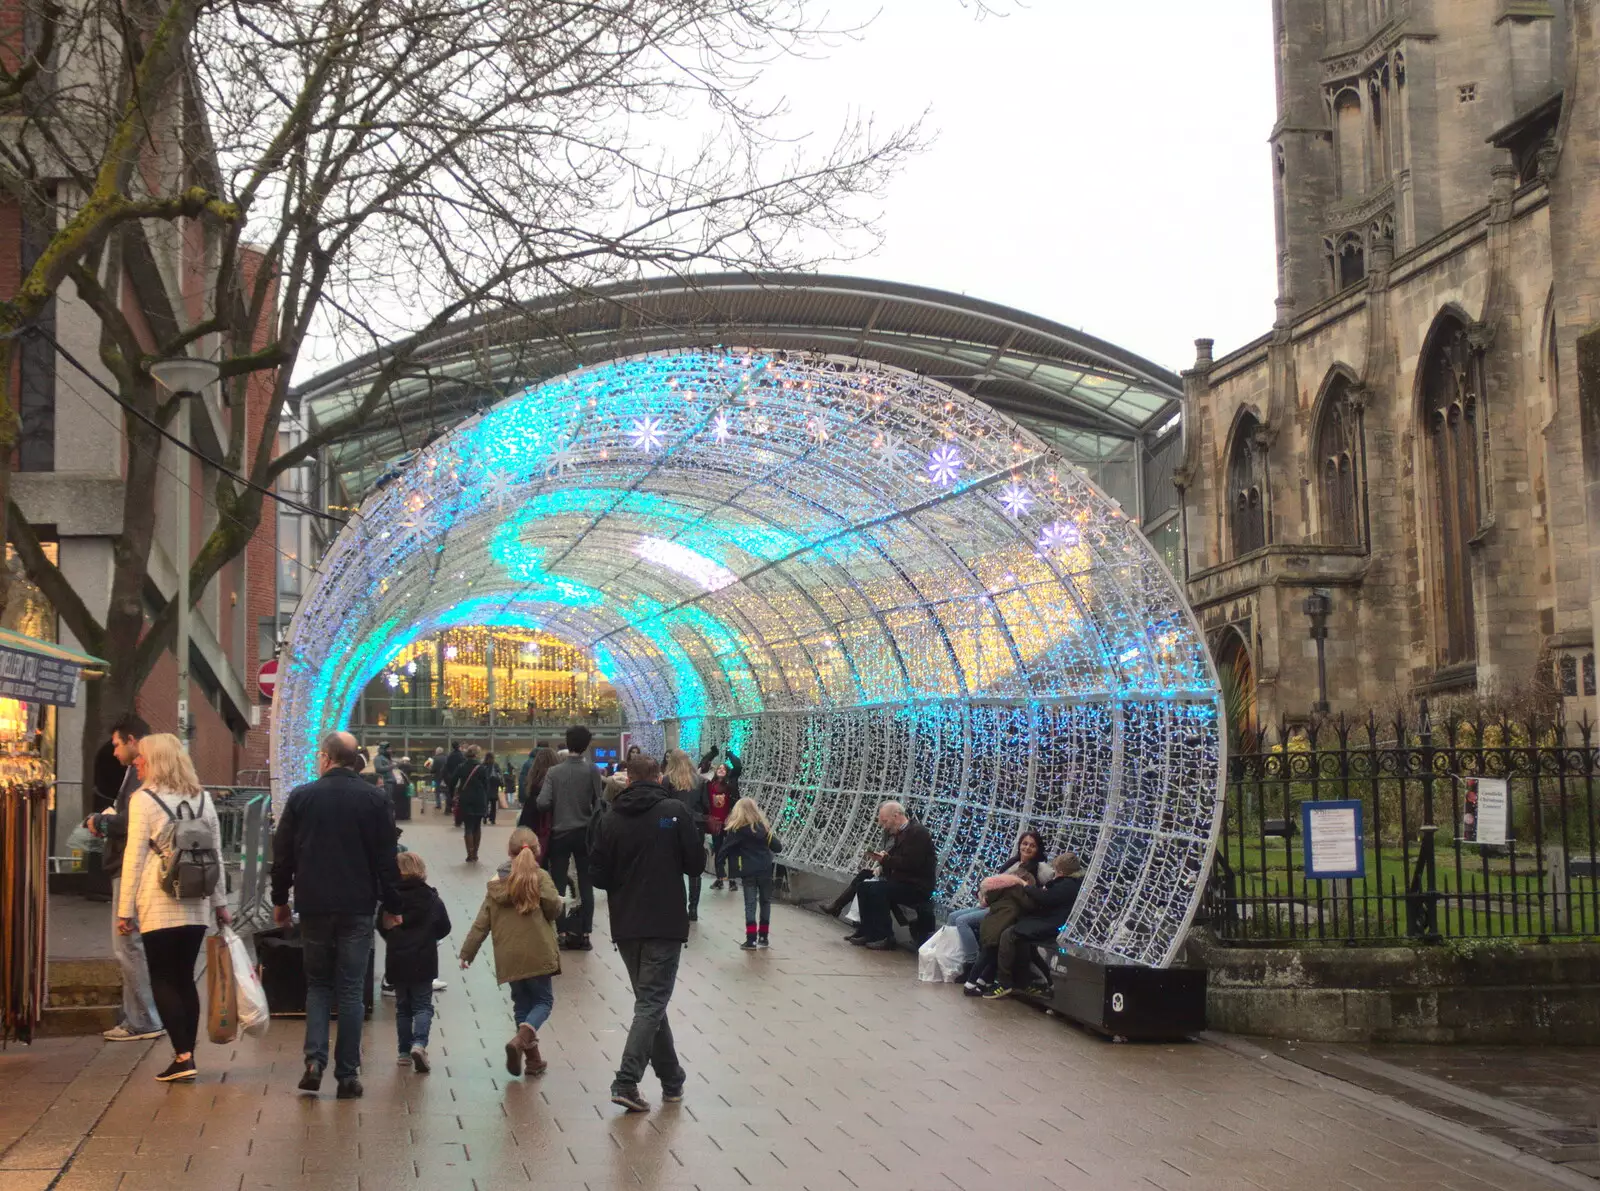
x=1334 y=841
x=1487 y=813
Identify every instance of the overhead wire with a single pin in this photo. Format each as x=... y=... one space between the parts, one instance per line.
x=155 y=456
x=173 y=439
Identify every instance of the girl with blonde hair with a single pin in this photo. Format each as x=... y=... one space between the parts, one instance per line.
x=748 y=838
x=411 y=959
x=519 y=911
x=170 y=927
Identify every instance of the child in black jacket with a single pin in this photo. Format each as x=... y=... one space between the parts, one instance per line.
x=411 y=963
x=747 y=845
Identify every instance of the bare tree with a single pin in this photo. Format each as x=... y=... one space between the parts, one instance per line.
x=345 y=164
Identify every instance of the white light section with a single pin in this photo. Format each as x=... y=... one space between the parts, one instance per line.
x=691 y=564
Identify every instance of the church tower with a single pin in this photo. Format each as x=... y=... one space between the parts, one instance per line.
x=1387 y=110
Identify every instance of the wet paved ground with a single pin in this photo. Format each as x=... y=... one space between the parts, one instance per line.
x=815 y=1065
x=1544 y=1101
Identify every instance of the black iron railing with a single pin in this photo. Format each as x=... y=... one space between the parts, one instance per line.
x=1425 y=877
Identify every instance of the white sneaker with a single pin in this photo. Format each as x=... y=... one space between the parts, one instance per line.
x=123 y=1034
x=440 y=985
x=405 y=1058
x=388 y=990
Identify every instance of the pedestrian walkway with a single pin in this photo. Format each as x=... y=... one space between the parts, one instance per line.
x=814 y=1065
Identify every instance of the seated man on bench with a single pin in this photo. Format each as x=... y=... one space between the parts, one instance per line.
x=907 y=870
x=1045 y=911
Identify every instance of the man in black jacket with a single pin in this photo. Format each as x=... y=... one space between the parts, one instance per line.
x=335 y=846
x=1046 y=912
x=908 y=868
x=139 y=1017
x=643 y=848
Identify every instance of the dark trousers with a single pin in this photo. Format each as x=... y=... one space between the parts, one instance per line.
x=573 y=846
x=873 y=899
x=721 y=862
x=336 y=948
x=1016 y=948
x=171 y=956
x=472 y=834
x=757 y=899
x=653 y=973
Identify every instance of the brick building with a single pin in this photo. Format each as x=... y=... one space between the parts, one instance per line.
x=1406 y=439
x=69 y=474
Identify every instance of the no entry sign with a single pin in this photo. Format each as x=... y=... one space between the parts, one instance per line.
x=267 y=679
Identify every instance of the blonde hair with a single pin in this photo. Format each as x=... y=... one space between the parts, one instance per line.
x=412 y=865
x=680 y=771
x=747 y=814
x=523 y=883
x=167 y=767
x=523 y=837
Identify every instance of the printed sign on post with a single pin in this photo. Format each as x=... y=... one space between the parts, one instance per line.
x=1486 y=811
x=1331 y=834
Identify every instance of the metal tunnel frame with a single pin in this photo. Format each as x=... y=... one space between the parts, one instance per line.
x=866 y=583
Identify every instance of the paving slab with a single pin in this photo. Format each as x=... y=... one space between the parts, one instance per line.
x=812 y=1066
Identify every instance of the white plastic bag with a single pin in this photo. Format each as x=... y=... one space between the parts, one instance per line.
x=928 y=962
x=852 y=914
x=947 y=953
x=252 y=998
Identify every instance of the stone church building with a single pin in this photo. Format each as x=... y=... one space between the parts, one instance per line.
x=1404 y=447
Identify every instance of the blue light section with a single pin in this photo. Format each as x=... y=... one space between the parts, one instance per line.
x=864 y=583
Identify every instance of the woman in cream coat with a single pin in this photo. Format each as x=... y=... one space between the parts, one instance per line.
x=171 y=928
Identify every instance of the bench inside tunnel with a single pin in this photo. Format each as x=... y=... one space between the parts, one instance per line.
x=865 y=584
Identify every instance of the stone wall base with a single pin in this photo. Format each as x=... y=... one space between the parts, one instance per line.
x=1499 y=994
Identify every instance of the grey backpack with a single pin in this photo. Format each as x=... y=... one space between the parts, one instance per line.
x=191 y=856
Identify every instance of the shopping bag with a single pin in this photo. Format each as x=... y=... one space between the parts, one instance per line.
x=254 y=1015
x=222 y=1016
x=947 y=952
x=928 y=963
x=852 y=913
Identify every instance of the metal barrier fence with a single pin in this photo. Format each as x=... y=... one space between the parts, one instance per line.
x=1425 y=877
x=245 y=816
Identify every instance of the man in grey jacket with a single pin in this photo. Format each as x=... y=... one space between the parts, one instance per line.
x=571 y=792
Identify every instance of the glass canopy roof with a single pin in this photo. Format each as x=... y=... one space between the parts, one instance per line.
x=1097 y=397
x=865 y=583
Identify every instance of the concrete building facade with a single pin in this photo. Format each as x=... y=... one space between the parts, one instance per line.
x=1404 y=446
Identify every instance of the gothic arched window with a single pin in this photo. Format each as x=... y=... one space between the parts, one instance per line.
x=1450 y=423
x=1247 y=513
x=1338 y=457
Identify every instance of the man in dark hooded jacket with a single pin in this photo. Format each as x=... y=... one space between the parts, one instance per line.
x=643 y=849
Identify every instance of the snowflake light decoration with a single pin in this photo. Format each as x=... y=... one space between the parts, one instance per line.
x=646 y=434
x=888 y=447
x=944 y=464
x=1016 y=500
x=803 y=598
x=1059 y=535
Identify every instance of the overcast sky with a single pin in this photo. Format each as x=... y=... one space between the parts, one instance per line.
x=1101 y=164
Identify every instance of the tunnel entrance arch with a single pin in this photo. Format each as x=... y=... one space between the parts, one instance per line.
x=864 y=582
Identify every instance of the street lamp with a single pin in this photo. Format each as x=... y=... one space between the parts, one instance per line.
x=1317 y=606
x=184 y=376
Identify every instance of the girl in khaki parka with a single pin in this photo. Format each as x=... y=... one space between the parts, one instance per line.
x=519 y=912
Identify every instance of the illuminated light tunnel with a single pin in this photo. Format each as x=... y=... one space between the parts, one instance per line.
x=867 y=584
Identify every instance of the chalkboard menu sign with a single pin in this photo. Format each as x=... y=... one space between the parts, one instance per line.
x=36 y=679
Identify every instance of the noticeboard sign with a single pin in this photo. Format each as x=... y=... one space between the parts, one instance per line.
x=1485 y=811
x=1332 y=836
x=34 y=678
